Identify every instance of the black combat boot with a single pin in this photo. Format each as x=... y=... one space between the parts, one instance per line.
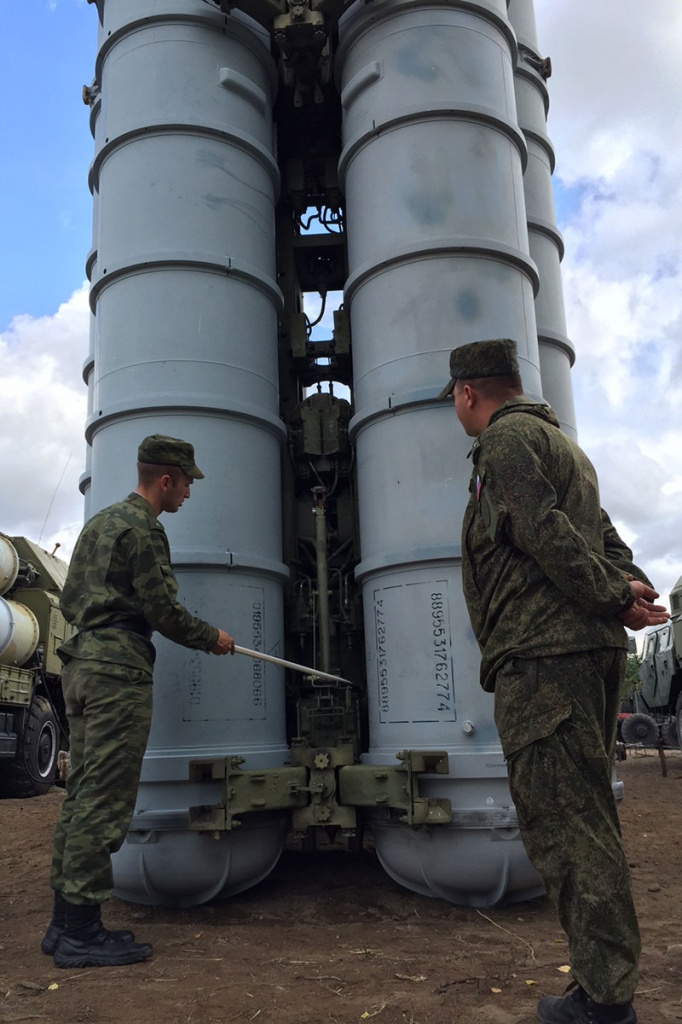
x=86 y=943
x=55 y=928
x=576 y=1007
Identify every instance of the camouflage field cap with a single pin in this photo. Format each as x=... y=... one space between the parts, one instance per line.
x=495 y=357
x=159 y=450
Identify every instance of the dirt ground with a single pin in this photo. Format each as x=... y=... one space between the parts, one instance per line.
x=329 y=937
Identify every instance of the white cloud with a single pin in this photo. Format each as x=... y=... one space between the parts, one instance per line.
x=45 y=400
x=614 y=111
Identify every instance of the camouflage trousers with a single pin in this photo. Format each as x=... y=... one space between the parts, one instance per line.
x=109 y=711
x=560 y=781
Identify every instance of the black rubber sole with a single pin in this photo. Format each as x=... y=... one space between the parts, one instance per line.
x=120 y=959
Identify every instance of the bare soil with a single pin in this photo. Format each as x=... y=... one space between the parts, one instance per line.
x=329 y=937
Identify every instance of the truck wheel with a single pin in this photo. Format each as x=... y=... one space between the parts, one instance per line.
x=34 y=768
x=640 y=728
x=678 y=719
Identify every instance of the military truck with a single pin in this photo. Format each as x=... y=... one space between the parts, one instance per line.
x=660 y=672
x=32 y=720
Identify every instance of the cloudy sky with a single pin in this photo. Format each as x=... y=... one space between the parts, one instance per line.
x=615 y=122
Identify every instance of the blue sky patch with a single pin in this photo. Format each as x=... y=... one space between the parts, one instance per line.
x=568 y=200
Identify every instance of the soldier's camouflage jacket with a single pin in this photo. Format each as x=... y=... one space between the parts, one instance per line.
x=121 y=572
x=543 y=567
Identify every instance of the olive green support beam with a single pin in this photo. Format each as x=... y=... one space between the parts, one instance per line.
x=324 y=790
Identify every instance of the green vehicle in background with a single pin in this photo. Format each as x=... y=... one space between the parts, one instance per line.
x=32 y=721
x=659 y=698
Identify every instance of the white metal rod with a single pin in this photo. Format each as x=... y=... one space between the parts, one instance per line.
x=259 y=656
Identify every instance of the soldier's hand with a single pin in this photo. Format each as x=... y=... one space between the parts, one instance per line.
x=224 y=644
x=643 y=612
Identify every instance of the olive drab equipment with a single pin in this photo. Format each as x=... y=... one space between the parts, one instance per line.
x=32 y=721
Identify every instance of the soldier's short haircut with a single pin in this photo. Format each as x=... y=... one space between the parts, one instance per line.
x=495 y=387
x=149 y=472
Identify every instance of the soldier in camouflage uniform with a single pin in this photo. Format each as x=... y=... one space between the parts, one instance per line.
x=549 y=585
x=119 y=589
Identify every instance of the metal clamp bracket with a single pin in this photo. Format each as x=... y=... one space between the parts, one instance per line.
x=321 y=791
x=245 y=792
x=377 y=786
